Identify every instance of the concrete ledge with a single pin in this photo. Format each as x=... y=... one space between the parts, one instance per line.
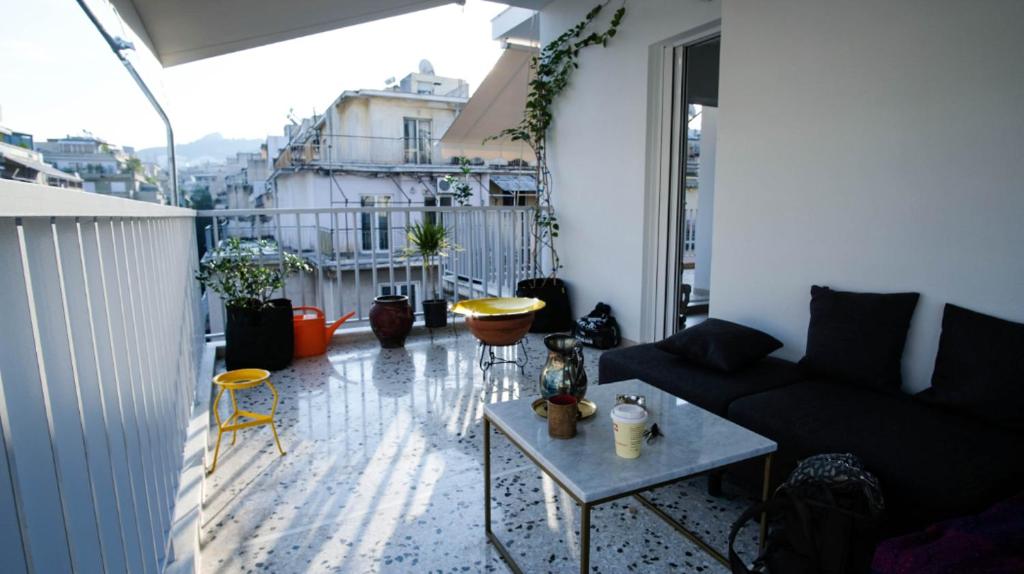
x=183 y=542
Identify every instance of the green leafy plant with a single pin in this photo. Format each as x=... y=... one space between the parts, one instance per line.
x=428 y=240
x=236 y=271
x=462 y=191
x=551 y=70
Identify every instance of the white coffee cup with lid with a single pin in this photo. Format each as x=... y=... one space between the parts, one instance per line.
x=628 y=423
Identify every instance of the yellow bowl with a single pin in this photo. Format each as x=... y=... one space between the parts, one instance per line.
x=241 y=378
x=497 y=306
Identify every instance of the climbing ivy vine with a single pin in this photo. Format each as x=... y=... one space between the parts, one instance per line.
x=551 y=70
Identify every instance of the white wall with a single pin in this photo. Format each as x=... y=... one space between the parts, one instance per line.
x=873 y=146
x=597 y=150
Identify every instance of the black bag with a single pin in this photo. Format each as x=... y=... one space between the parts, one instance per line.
x=598 y=329
x=822 y=520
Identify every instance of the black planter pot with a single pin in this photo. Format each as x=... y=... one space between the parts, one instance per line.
x=259 y=339
x=435 y=313
x=557 y=314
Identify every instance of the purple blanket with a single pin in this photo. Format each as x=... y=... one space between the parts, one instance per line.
x=990 y=542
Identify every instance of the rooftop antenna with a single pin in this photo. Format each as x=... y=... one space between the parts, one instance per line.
x=426 y=68
x=389 y=81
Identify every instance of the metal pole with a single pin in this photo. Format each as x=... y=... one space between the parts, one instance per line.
x=118 y=45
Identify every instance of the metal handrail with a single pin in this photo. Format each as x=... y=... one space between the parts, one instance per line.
x=357 y=209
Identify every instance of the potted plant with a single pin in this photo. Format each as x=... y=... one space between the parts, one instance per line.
x=258 y=332
x=551 y=71
x=430 y=241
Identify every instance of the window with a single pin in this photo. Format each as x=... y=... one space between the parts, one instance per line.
x=434 y=201
x=375 y=226
x=417 y=140
x=424 y=87
x=118 y=187
x=407 y=289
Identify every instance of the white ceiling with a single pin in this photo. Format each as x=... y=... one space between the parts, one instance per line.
x=187 y=30
x=183 y=31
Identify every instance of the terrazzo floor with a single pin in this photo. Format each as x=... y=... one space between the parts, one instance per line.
x=384 y=473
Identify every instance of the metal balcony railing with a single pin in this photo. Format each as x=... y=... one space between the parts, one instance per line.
x=337 y=150
x=358 y=253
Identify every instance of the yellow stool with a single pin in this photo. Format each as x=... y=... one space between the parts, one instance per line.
x=238 y=380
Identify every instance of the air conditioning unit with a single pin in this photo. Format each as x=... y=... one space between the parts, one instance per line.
x=443 y=185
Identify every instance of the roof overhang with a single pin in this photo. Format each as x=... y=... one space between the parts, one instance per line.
x=513 y=184
x=187 y=30
x=41 y=167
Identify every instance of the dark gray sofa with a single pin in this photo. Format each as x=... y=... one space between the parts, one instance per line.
x=932 y=464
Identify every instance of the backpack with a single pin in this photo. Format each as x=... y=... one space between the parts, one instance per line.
x=598 y=329
x=822 y=520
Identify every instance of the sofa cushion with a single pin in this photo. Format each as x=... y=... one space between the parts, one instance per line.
x=979 y=369
x=858 y=338
x=707 y=388
x=932 y=464
x=721 y=345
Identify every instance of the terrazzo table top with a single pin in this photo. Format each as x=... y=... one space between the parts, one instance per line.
x=694 y=441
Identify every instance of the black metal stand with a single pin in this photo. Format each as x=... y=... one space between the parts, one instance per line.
x=488 y=358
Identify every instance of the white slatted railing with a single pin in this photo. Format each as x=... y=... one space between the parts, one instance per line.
x=358 y=253
x=98 y=356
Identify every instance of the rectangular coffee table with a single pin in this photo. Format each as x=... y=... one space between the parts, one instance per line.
x=586 y=467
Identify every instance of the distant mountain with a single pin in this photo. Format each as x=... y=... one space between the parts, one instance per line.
x=211 y=148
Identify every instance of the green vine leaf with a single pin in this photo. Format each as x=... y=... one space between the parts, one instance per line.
x=551 y=71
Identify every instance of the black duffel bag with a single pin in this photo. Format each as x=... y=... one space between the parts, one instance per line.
x=822 y=520
x=598 y=329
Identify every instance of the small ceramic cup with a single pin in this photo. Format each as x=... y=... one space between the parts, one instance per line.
x=562 y=415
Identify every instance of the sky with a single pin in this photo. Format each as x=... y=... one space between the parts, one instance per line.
x=59 y=77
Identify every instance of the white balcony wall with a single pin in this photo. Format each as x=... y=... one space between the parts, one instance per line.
x=870 y=146
x=98 y=357
x=597 y=150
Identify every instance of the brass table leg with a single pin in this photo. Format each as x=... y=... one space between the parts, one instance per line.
x=584 y=538
x=487 y=476
x=762 y=540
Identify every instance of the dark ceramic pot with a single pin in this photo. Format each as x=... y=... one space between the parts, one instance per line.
x=435 y=313
x=557 y=314
x=259 y=338
x=391 y=320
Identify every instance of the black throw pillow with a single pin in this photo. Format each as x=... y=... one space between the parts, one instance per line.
x=979 y=369
x=721 y=345
x=858 y=338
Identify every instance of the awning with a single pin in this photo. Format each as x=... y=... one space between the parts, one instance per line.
x=183 y=31
x=497 y=104
x=511 y=184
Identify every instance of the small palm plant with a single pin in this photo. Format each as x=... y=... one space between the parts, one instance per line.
x=428 y=240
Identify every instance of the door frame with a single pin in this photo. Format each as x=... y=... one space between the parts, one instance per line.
x=659 y=288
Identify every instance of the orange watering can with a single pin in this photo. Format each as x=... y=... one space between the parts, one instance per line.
x=312 y=332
